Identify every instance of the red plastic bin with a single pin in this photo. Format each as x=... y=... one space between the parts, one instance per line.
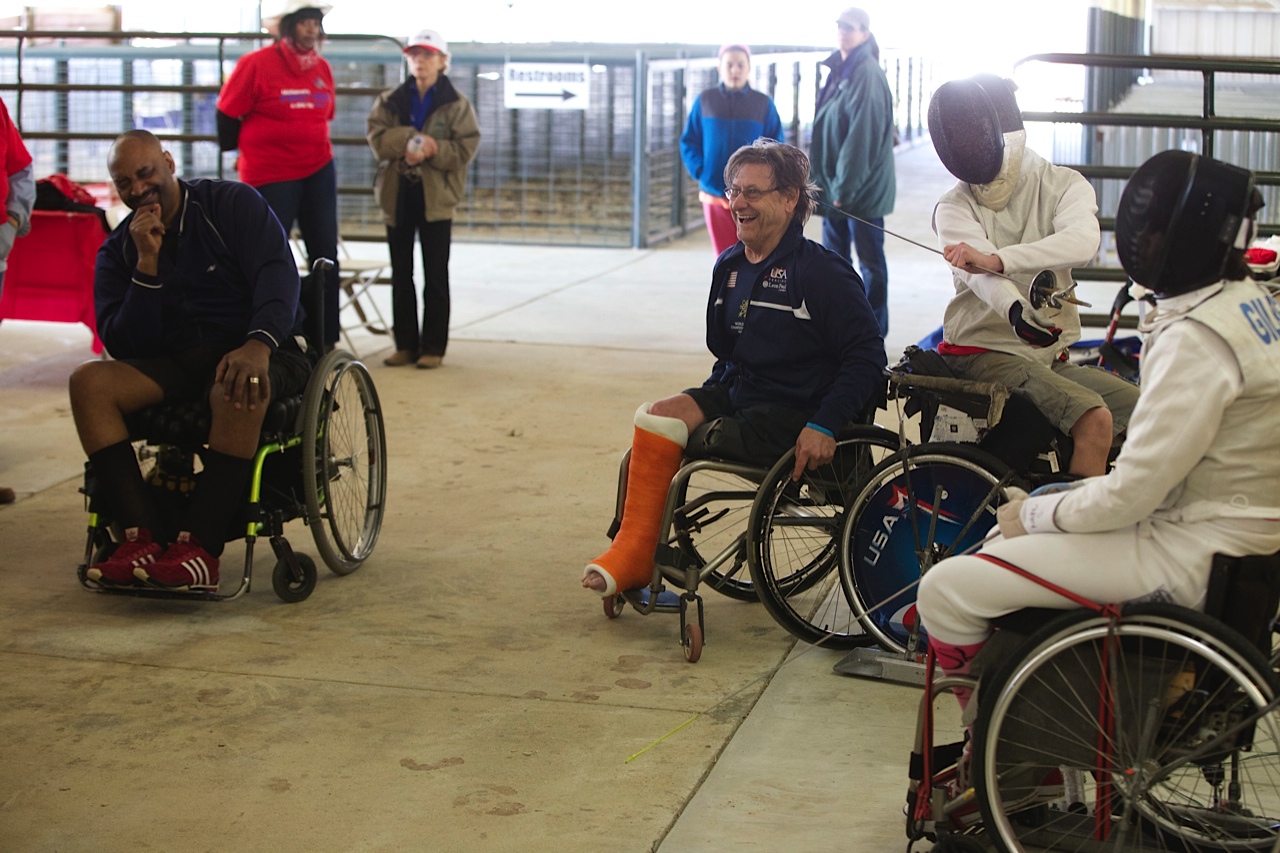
x=50 y=275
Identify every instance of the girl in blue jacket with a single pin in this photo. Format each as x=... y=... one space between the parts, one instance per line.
x=724 y=119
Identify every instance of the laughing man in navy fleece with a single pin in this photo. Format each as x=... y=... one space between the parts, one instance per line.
x=798 y=356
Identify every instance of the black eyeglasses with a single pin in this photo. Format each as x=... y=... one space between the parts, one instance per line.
x=751 y=194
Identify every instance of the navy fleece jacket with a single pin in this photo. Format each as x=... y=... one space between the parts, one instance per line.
x=809 y=339
x=229 y=278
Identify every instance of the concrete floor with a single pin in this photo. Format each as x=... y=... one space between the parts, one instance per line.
x=459 y=692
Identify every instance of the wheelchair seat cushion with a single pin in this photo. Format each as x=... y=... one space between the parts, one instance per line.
x=922 y=362
x=186 y=424
x=187 y=378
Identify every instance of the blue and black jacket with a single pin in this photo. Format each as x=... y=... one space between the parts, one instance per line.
x=229 y=277
x=721 y=122
x=809 y=339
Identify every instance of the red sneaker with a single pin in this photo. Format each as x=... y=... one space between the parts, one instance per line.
x=135 y=551
x=184 y=565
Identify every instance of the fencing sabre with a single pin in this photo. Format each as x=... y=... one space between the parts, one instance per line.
x=1043 y=290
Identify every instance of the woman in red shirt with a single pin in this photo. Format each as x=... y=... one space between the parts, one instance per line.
x=276 y=107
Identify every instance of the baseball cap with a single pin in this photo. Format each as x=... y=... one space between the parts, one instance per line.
x=855 y=17
x=429 y=39
x=280 y=8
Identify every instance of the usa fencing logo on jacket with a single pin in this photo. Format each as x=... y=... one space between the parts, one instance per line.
x=774 y=292
x=776 y=279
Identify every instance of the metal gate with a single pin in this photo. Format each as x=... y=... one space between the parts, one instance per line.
x=608 y=175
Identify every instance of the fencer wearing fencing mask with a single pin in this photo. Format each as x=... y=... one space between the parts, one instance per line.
x=1012 y=218
x=1182 y=219
x=996 y=192
x=977 y=131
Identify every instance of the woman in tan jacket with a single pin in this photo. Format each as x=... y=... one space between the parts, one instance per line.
x=424 y=133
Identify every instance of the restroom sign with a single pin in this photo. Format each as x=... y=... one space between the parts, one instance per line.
x=545 y=86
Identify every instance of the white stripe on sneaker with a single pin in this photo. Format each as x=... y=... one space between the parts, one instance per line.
x=198 y=570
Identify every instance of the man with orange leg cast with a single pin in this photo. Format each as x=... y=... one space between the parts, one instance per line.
x=798 y=356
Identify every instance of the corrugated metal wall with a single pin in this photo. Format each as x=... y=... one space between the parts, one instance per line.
x=1215 y=32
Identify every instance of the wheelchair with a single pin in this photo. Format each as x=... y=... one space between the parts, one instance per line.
x=705 y=523
x=321 y=457
x=892 y=509
x=1137 y=727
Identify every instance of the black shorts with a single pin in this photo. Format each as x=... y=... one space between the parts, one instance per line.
x=757 y=435
x=188 y=375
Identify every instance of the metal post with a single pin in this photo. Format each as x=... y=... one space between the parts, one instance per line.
x=188 y=118
x=795 y=107
x=681 y=111
x=897 y=96
x=17 y=117
x=222 y=80
x=61 y=117
x=639 y=154
x=473 y=174
x=910 y=129
x=1206 y=133
x=127 y=118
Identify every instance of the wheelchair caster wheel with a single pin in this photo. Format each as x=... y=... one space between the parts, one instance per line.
x=692 y=642
x=289 y=590
x=614 y=605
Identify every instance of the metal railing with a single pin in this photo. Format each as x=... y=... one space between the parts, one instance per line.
x=607 y=175
x=1112 y=143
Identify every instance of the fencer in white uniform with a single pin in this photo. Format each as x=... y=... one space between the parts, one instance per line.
x=1019 y=215
x=1200 y=471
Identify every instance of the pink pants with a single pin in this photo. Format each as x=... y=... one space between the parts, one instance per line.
x=720 y=226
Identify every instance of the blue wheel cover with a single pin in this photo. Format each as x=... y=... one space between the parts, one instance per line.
x=884 y=544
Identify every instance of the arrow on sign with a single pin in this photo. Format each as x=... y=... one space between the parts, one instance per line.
x=563 y=94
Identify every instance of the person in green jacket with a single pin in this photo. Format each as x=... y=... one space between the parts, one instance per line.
x=852 y=154
x=424 y=133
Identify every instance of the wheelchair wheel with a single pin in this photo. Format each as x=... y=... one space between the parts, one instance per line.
x=795 y=534
x=691 y=642
x=710 y=526
x=1164 y=719
x=344 y=458
x=885 y=547
x=289 y=589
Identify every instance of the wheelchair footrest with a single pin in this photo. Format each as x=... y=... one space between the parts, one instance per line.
x=887 y=666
